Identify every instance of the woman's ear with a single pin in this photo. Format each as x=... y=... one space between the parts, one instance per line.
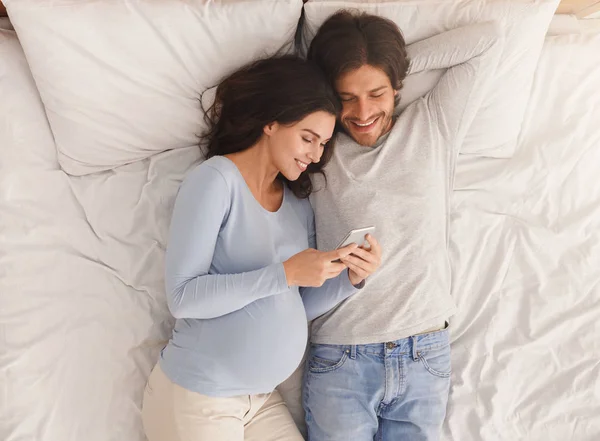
x=270 y=128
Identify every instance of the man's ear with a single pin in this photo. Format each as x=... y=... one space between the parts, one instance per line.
x=270 y=128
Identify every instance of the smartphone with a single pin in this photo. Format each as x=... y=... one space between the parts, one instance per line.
x=356 y=236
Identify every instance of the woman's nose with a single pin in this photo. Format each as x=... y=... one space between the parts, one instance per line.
x=315 y=155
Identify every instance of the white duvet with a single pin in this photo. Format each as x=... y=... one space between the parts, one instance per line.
x=81 y=276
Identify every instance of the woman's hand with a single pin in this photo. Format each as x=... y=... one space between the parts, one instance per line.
x=362 y=263
x=312 y=267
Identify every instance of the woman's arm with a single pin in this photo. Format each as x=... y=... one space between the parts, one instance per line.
x=201 y=209
x=319 y=300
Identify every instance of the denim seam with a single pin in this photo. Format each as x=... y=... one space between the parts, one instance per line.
x=327 y=369
x=431 y=370
x=305 y=395
x=419 y=348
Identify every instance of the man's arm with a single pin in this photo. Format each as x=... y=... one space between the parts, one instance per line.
x=471 y=54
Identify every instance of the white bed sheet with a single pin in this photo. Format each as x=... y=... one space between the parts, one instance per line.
x=84 y=314
x=525 y=243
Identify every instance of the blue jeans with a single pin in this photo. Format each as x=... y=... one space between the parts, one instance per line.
x=394 y=391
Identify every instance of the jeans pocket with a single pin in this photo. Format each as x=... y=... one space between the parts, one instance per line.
x=326 y=358
x=437 y=361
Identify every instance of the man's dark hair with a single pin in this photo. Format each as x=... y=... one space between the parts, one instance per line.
x=348 y=40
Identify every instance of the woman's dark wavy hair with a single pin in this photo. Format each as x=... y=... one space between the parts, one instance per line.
x=282 y=89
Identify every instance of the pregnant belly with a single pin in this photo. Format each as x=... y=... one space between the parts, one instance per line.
x=255 y=348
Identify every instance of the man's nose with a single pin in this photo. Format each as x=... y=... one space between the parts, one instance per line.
x=364 y=110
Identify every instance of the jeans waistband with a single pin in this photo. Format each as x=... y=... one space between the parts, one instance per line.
x=410 y=345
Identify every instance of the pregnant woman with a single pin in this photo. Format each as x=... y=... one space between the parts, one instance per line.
x=242 y=274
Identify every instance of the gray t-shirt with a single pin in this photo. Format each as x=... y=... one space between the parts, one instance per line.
x=402 y=186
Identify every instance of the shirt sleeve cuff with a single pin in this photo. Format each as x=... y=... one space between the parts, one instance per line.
x=348 y=284
x=281 y=278
x=361 y=285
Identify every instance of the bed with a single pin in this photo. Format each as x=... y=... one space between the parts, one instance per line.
x=84 y=216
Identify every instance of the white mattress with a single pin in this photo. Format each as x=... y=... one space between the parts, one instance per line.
x=83 y=314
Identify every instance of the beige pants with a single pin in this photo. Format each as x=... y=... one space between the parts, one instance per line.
x=172 y=413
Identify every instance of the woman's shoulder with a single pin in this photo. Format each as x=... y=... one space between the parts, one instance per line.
x=214 y=173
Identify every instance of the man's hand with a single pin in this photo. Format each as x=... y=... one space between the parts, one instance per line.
x=362 y=263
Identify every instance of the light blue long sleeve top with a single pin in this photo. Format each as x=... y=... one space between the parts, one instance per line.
x=240 y=329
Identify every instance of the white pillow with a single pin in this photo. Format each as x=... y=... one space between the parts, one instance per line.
x=495 y=129
x=25 y=137
x=121 y=79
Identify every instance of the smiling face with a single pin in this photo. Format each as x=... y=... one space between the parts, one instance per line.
x=293 y=147
x=368 y=103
